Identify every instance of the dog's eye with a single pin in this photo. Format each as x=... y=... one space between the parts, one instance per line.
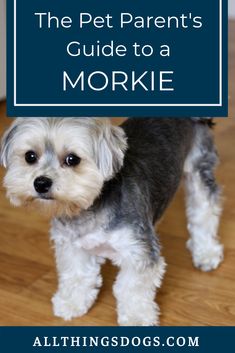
x=72 y=160
x=31 y=157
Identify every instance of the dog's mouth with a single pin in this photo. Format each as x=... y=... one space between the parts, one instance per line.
x=51 y=207
x=45 y=197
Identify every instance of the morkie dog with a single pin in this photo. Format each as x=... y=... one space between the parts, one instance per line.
x=106 y=186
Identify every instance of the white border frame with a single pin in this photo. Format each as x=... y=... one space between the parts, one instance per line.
x=119 y=104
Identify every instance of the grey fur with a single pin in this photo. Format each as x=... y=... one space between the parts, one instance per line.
x=50 y=156
x=137 y=196
x=207 y=161
x=6 y=143
x=107 y=206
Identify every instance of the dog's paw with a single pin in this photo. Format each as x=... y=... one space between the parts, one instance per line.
x=131 y=321
x=74 y=306
x=206 y=258
x=144 y=316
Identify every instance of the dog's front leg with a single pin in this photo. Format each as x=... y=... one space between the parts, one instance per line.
x=79 y=278
x=135 y=290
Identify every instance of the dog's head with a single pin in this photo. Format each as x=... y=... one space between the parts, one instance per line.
x=60 y=164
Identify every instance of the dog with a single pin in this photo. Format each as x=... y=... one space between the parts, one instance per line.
x=105 y=187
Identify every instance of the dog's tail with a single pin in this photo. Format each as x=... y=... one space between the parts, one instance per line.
x=205 y=121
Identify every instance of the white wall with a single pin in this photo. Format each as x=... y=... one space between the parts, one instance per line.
x=2 y=49
x=231 y=8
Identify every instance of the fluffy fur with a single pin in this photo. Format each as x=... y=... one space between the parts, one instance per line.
x=106 y=206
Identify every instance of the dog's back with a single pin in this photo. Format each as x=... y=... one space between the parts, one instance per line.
x=154 y=160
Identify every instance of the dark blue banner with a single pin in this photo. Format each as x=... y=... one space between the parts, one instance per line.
x=125 y=58
x=117 y=339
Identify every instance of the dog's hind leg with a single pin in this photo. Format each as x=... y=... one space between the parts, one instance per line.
x=203 y=201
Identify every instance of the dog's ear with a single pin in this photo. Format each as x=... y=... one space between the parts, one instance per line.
x=6 y=141
x=111 y=147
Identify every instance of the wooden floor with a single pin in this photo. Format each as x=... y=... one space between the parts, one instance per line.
x=187 y=296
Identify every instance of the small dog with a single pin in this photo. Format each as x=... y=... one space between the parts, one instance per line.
x=106 y=187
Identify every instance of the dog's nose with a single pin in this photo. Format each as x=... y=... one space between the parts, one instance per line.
x=42 y=184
